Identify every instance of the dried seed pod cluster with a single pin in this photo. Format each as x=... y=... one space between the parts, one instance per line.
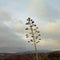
x=34 y=32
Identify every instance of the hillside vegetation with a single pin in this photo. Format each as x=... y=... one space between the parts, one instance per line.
x=42 y=56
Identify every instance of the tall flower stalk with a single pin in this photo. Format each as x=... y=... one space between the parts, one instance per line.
x=34 y=34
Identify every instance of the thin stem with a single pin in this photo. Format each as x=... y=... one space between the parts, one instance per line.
x=34 y=43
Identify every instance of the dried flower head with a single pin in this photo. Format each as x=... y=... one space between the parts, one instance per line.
x=28 y=41
x=27 y=36
x=31 y=40
x=30 y=25
x=27 y=23
x=39 y=35
x=28 y=19
x=34 y=33
x=32 y=21
x=39 y=39
x=26 y=28
x=34 y=24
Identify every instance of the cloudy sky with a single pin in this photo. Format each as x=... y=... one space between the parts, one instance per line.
x=13 y=15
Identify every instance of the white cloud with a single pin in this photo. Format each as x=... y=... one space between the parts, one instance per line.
x=49 y=44
x=18 y=27
x=4 y=15
x=9 y=41
x=51 y=31
x=46 y=9
x=50 y=35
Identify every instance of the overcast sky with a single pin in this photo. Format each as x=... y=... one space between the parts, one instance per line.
x=13 y=15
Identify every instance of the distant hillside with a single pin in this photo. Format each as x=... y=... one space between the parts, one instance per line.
x=55 y=55
x=30 y=52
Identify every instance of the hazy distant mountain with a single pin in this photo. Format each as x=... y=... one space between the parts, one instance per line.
x=55 y=55
x=29 y=52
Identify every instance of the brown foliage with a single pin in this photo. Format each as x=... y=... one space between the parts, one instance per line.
x=42 y=56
